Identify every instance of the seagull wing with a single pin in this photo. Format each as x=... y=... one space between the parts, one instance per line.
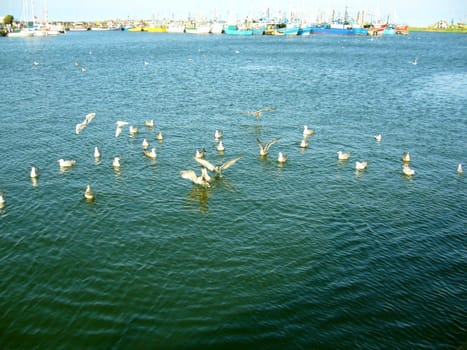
x=230 y=163
x=189 y=175
x=270 y=143
x=261 y=146
x=205 y=163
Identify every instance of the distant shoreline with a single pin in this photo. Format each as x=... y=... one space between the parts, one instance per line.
x=438 y=30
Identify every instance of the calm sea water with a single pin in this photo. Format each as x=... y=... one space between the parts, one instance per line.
x=310 y=255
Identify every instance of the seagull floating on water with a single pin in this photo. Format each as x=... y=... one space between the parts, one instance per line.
x=406 y=170
x=200 y=153
x=378 y=137
x=88 y=193
x=145 y=144
x=197 y=180
x=359 y=166
x=149 y=123
x=220 y=146
x=282 y=158
x=307 y=132
x=415 y=61
x=150 y=154
x=133 y=130
x=217 y=168
x=66 y=163
x=304 y=143
x=259 y=113
x=34 y=173
x=343 y=155
x=406 y=157
x=97 y=153
x=159 y=137
x=459 y=169
x=218 y=134
x=264 y=149
x=116 y=162
x=2 y=200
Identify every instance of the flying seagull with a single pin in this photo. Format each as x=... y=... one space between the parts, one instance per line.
x=217 y=168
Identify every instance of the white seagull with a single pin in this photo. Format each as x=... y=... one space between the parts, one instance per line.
x=88 y=193
x=343 y=155
x=2 y=200
x=159 y=137
x=406 y=170
x=307 y=132
x=89 y=117
x=97 y=153
x=304 y=143
x=378 y=137
x=406 y=157
x=66 y=163
x=133 y=131
x=150 y=154
x=116 y=162
x=34 y=173
x=459 y=169
x=145 y=144
x=218 y=134
x=149 y=123
x=118 y=131
x=217 y=168
x=264 y=150
x=359 y=166
x=282 y=158
x=259 y=113
x=220 y=146
x=121 y=123
x=79 y=127
x=197 y=180
x=200 y=153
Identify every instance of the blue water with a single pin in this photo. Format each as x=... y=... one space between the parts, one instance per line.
x=308 y=255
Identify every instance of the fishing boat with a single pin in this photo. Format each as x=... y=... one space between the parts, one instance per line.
x=176 y=27
x=338 y=29
x=236 y=30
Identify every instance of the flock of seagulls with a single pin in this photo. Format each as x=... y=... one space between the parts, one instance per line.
x=204 y=178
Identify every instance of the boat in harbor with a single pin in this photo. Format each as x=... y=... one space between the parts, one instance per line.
x=176 y=27
x=236 y=30
x=338 y=29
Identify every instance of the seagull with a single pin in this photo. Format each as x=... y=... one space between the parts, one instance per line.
x=304 y=143
x=146 y=63
x=217 y=168
x=378 y=137
x=2 y=200
x=406 y=157
x=359 y=166
x=150 y=154
x=36 y=63
x=459 y=169
x=259 y=113
x=343 y=155
x=118 y=131
x=145 y=144
x=116 y=162
x=200 y=153
x=220 y=146
x=282 y=158
x=406 y=170
x=205 y=175
x=133 y=130
x=307 y=132
x=218 y=134
x=197 y=180
x=149 y=123
x=66 y=163
x=84 y=69
x=34 y=173
x=414 y=62
x=79 y=127
x=121 y=123
x=88 y=193
x=159 y=137
x=264 y=150
x=89 y=117
x=97 y=153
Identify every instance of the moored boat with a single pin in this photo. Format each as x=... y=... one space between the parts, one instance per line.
x=235 y=30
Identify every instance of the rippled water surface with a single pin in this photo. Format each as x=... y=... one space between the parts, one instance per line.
x=306 y=255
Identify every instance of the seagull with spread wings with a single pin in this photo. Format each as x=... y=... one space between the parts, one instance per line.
x=217 y=168
x=259 y=113
x=264 y=149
